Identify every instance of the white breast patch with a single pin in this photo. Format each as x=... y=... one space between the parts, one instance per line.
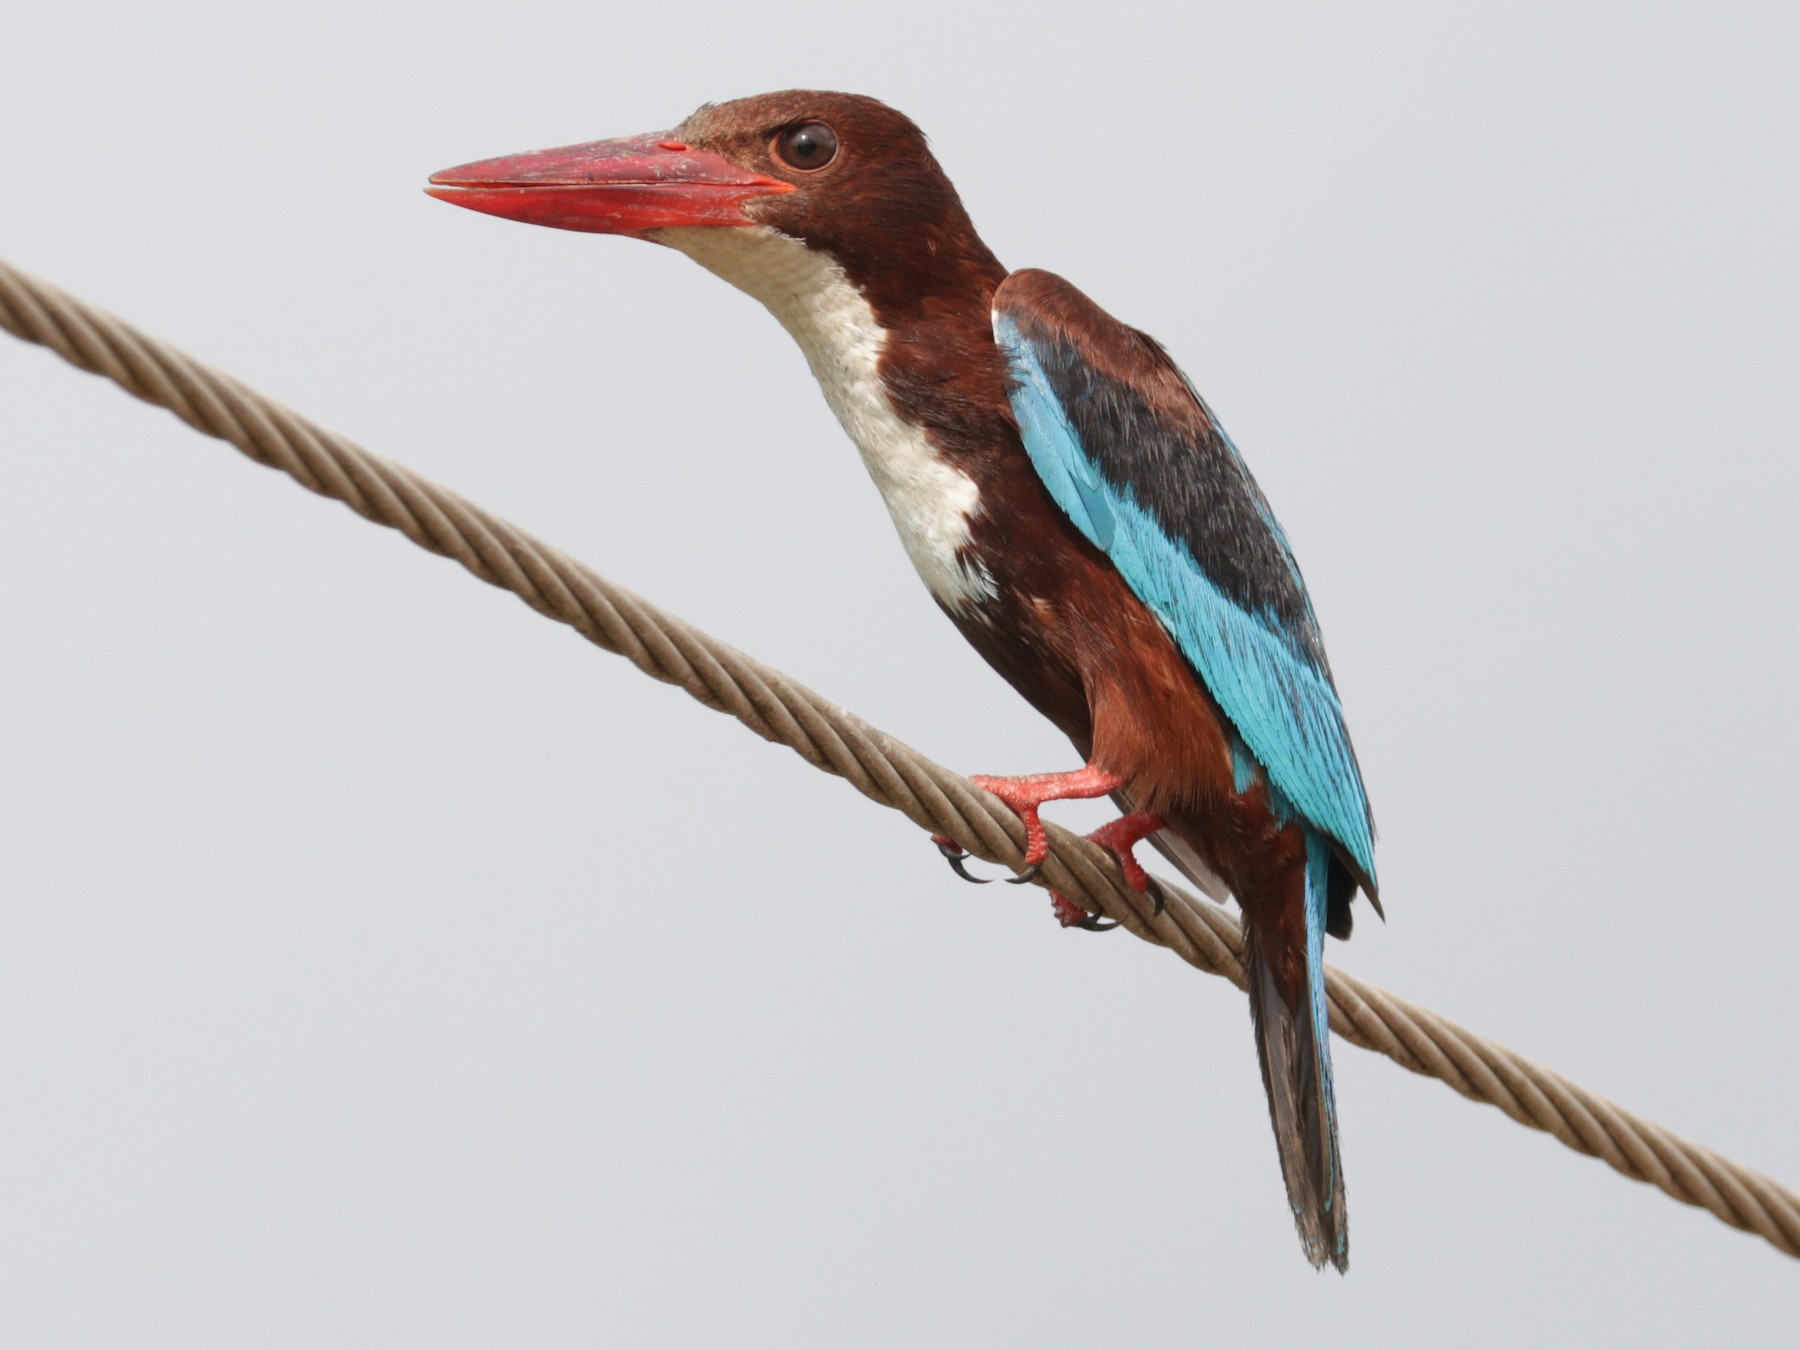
x=930 y=499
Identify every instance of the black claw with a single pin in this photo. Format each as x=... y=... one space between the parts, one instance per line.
x=956 y=866
x=1030 y=874
x=1157 y=897
x=954 y=855
x=1095 y=924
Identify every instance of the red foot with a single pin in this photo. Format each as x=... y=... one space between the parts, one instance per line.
x=1026 y=794
x=1119 y=837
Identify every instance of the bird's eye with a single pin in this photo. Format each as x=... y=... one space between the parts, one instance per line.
x=812 y=145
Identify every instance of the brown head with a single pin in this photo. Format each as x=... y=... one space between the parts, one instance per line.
x=844 y=174
x=830 y=210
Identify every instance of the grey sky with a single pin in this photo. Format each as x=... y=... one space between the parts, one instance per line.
x=381 y=965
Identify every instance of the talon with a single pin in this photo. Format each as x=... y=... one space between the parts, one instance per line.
x=1029 y=875
x=956 y=866
x=1071 y=915
x=954 y=854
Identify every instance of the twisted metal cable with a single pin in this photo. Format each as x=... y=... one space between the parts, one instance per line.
x=881 y=768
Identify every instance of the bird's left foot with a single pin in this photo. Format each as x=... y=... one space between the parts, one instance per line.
x=1118 y=838
x=1071 y=915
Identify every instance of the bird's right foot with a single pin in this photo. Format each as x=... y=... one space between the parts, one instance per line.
x=955 y=854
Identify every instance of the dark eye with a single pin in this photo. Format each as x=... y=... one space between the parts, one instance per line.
x=812 y=145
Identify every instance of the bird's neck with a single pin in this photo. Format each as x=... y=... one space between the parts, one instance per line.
x=907 y=362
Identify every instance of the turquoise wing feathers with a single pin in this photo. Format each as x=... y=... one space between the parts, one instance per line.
x=1161 y=490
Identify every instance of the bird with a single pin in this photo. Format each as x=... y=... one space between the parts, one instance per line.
x=1071 y=503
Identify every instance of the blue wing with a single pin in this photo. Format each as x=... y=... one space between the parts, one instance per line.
x=1135 y=458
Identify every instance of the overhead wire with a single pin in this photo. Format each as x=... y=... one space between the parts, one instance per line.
x=880 y=767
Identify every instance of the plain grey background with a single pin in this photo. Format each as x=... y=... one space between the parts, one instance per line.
x=381 y=965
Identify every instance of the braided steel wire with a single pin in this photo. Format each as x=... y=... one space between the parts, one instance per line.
x=880 y=767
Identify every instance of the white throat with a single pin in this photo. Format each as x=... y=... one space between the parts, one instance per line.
x=930 y=499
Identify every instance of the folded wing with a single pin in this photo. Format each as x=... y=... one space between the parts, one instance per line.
x=1131 y=453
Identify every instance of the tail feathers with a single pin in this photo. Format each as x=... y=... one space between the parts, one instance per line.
x=1293 y=1045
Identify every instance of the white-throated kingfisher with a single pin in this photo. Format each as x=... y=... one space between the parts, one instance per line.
x=1070 y=502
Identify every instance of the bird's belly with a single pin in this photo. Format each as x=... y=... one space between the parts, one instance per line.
x=1025 y=652
x=1065 y=630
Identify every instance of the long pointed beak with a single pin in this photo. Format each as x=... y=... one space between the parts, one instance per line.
x=609 y=187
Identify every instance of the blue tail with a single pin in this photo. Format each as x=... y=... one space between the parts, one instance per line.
x=1294 y=1046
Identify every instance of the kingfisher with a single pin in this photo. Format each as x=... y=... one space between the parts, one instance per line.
x=1073 y=506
